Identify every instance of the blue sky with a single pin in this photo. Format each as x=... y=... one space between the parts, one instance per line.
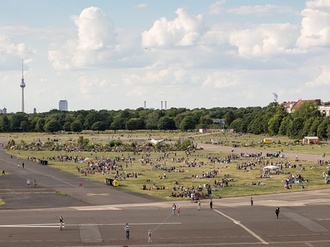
x=117 y=54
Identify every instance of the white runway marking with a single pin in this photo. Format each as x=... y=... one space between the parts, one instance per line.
x=90 y=234
x=244 y=227
x=309 y=224
x=94 y=194
x=55 y=225
x=96 y=208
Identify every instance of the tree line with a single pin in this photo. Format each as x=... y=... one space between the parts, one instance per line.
x=272 y=120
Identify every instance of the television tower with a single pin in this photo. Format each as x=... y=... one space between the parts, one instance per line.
x=22 y=86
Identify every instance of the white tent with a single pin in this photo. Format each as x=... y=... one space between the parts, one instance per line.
x=271 y=167
x=153 y=141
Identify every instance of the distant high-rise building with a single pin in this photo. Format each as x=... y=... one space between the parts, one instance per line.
x=63 y=105
x=22 y=86
x=3 y=111
x=34 y=110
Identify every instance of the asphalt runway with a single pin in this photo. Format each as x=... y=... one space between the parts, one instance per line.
x=95 y=215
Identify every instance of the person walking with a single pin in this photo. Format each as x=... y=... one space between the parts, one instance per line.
x=178 y=209
x=149 y=236
x=251 y=201
x=199 y=205
x=211 y=203
x=23 y=164
x=277 y=212
x=28 y=182
x=35 y=183
x=173 y=208
x=61 y=223
x=127 y=230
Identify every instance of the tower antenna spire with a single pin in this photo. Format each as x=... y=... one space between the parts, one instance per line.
x=22 y=86
x=22 y=69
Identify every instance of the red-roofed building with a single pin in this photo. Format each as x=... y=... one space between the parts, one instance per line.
x=291 y=106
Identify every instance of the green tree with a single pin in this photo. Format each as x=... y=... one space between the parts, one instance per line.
x=76 y=126
x=52 y=126
x=307 y=110
x=4 y=124
x=328 y=132
x=135 y=124
x=296 y=127
x=179 y=118
x=152 y=120
x=15 y=121
x=255 y=125
x=313 y=129
x=229 y=117
x=117 y=123
x=67 y=126
x=322 y=129
x=90 y=119
x=237 y=125
x=307 y=126
x=284 y=128
x=24 y=126
x=40 y=125
x=99 y=125
x=197 y=114
x=206 y=120
x=166 y=123
x=187 y=123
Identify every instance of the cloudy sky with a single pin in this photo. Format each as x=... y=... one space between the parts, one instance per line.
x=110 y=54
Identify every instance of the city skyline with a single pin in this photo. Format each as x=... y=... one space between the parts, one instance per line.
x=105 y=55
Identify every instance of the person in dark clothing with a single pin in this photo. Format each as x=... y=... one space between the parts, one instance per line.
x=277 y=212
x=127 y=230
x=61 y=223
x=211 y=204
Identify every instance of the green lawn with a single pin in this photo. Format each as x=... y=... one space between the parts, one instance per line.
x=241 y=181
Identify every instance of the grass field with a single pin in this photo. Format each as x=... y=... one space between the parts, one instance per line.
x=151 y=175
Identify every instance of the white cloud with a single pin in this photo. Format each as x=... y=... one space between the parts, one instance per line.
x=184 y=30
x=223 y=79
x=321 y=4
x=266 y=39
x=91 y=86
x=261 y=10
x=216 y=8
x=95 y=43
x=322 y=79
x=95 y=30
x=158 y=76
x=141 y=6
x=10 y=50
x=315 y=29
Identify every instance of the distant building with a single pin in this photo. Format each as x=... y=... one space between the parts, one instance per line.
x=325 y=110
x=311 y=140
x=3 y=111
x=34 y=110
x=291 y=106
x=63 y=105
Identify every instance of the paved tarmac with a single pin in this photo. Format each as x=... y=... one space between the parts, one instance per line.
x=95 y=215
